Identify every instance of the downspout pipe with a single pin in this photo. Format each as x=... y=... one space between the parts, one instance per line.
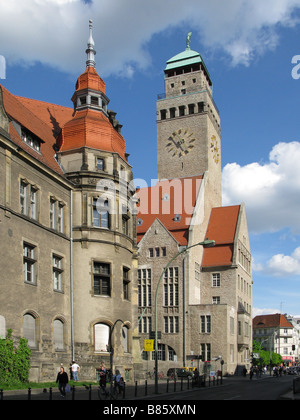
x=71 y=279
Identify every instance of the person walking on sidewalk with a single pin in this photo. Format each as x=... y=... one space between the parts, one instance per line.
x=62 y=380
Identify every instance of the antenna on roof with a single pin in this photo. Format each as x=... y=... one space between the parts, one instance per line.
x=91 y=52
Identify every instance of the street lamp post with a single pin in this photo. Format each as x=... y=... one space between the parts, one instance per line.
x=206 y=244
x=111 y=351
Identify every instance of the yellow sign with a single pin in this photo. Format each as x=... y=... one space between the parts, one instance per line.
x=148 y=345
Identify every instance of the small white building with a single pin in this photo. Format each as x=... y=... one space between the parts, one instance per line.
x=279 y=334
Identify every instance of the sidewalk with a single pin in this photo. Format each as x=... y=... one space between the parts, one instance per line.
x=145 y=390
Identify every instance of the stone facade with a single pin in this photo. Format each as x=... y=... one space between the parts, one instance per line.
x=205 y=310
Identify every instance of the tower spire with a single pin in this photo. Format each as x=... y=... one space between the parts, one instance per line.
x=91 y=52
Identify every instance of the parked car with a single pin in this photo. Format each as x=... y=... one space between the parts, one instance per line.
x=180 y=373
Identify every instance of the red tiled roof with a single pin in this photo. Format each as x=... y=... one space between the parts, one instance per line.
x=22 y=114
x=221 y=228
x=271 y=321
x=165 y=201
x=92 y=129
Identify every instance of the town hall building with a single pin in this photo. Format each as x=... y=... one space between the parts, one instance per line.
x=83 y=249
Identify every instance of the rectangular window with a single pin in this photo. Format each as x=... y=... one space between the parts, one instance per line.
x=100 y=164
x=52 y=214
x=60 y=218
x=144 y=287
x=216 y=280
x=171 y=324
x=57 y=273
x=205 y=324
x=29 y=263
x=171 y=294
x=102 y=279
x=126 y=283
x=33 y=203
x=23 y=197
x=216 y=300
x=100 y=213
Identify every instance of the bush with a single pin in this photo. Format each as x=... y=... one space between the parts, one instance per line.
x=14 y=361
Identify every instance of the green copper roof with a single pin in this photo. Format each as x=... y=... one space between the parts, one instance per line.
x=185 y=58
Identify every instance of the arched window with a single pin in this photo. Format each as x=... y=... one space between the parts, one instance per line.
x=58 y=327
x=101 y=332
x=29 y=329
x=2 y=327
x=125 y=339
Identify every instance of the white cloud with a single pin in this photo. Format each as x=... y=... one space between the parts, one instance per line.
x=281 y=265
x=55 y=31
x=270 y=191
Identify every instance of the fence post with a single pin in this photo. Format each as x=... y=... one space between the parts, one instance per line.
x=73 y=392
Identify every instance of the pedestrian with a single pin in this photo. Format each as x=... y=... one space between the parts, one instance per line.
x=75 y=370
x=102 y=373
x=62 y=380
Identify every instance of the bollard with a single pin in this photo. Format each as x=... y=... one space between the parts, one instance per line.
x=29 y=393
x=146 y=387
x=90 y=392
x=73 y=392
x=1 y=394
x=50 y=394
x=135 y=390
x=167 y=385
x=175 y=384
x=181 y=384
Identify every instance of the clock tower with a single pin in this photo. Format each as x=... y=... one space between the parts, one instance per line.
x=188 y=122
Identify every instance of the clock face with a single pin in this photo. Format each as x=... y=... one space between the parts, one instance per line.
x=180 y=143
x=214 y=147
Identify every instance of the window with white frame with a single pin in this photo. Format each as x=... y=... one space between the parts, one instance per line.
x=171 y=324
x=28 y=199
x=102 y=279
x=144 y=287
x=29 y=263
x=171 y=296
x=205 y=351
x=52 y=213
x=57 y=273
x=216 y=280
x=205 y=324
x=60 y=218
x=100 y=213
x=216 y=300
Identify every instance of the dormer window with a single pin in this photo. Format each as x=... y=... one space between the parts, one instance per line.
x=31 y=140
x=95 y=100
x=177 y=218
x=82 y=100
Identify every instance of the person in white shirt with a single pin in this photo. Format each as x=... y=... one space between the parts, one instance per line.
x=75 y=369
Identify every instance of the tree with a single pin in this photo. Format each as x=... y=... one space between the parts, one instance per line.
x=264 y=356
x=14 y=361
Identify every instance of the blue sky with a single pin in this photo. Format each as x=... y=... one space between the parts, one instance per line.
x=248 y=48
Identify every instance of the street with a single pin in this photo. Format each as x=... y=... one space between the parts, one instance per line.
x=233 y=388
x=239 y=388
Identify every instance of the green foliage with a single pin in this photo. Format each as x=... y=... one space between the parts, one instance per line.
x=14 y=361
x=264 y=355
